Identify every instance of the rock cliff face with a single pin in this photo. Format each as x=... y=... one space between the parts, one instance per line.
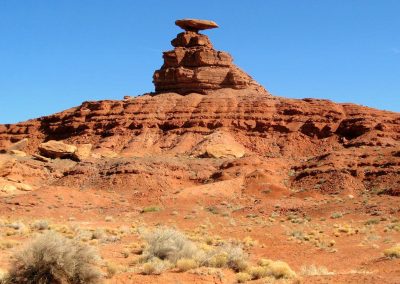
x=315 y=139
x=235 y=131
x=195 y=66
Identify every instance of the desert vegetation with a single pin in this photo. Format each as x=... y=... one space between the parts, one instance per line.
x=132 y=248
x=393 y=252
x=52 y=258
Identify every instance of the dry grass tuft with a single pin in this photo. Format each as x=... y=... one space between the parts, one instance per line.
x=40 y=225
x=280 y=269
x=257 y=272
x=236 y=258
x=155 y=267
x=242 y=277
x=185 y=264
x=393 y=252
x=313 y=270
x=219 y=260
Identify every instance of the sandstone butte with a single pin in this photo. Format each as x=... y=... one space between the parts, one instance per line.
x=194 y=66
x=210 y=127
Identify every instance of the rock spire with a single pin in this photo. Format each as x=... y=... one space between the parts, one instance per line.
x=194 y=66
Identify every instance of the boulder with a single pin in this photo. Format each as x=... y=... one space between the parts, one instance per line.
x=18 y=153
x=24 y=187
x=57 y=149
x=224 y=151
x=219 y=144
x=83 y=152
x=9 y=186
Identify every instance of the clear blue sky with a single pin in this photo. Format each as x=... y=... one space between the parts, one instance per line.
x=56 y=54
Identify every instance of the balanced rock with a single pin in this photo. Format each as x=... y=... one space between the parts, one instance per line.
x=194 y=66
x=56 y=149
x=195 y=24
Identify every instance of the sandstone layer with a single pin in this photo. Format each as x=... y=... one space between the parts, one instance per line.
x=352 y=148
x=195 y=66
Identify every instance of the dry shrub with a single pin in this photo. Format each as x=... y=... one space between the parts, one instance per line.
x=40 y=225
x=236 y=257
x=185 y=264
x=112 y=269
x=269 y=268
x=151 y=209
x=8 y=244
x=155 y=267
x=19 y=226
x=393 y=252
x=258 y=272
x=109 y=219
x=98 y=234
x=169 y=244
x=242 y=277
x=219 y=260
x=265 y=262
x=228 y=255
x=280 y=269
x=313 y=270
x=52 y=258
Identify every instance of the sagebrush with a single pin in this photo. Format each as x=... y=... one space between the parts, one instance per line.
x=169 y=244
x=54 y=259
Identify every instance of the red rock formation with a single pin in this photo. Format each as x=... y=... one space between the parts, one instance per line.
x=351 y=147
x=195 y=24
x=195 y=66
x=231 y=132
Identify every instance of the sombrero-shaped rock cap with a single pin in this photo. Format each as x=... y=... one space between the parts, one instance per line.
x=195 y=24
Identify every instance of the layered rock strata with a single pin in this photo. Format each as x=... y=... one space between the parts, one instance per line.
x=194 y=66
x=236 y=133
x=351 y=148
